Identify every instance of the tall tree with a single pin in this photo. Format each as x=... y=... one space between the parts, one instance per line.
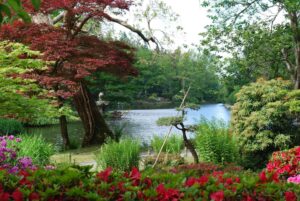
x=75 y=53
x=232 y=15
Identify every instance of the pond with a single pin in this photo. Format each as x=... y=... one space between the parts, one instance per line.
x=139 y=124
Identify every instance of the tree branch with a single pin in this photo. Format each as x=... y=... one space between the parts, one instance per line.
x=81 y=24
x=242 y=11
x=133 y=29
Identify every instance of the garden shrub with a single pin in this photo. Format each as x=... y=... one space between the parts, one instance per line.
x=10 y=127
x=214 y=143
x=285 y=164
x=121 y=155
x=35 y=147
x=264 y=119
x=73 y=184
x=174 y=144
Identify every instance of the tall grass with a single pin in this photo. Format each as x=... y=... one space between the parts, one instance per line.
x=121 y=155
x=35 y=147
x=10 y=127
x=214 y=142
x=174 y=144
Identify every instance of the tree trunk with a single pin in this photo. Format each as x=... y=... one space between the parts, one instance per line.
x=296 y=34
x=188 y=144
x=96 y=129
x=64 y=131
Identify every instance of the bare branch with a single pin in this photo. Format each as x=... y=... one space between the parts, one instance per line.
x=243 y=10
x=275 y=17
x=133 y=29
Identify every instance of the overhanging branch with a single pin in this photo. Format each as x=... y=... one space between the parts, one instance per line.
x=133 y=29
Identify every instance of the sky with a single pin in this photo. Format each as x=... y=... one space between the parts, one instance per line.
x=192 y=17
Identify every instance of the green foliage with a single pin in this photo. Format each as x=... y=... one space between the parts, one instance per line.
x=21 y=98
x=167 y=121
x=10 y=127
x=173 y=145
x=214 y=142
x=263 y=119
x=11 y=10
x=35 y=147
x=121 y=155
x=162 y=77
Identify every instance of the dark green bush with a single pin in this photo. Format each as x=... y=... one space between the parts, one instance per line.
x=10 y=127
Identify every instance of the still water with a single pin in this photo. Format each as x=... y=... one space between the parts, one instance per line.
x=140 y=124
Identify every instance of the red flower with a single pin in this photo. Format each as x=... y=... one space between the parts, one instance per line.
x=203 y=180
x=104 y=175
x=217 y=196
x=167 y=194
x=34 y=196
x=190 y=182
x=4 y=196
x=262 y=176
x=148 y=182
x=17 y=195
x=135 y=175
x=290 y=196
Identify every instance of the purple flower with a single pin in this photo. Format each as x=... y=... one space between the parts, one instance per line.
x=3 y=143
x=13 y=170
x=18 y=139
x=11 y=137
x=25 y=162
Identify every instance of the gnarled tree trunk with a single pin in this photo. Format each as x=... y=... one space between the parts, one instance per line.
x=96 y=129
x=64 y=131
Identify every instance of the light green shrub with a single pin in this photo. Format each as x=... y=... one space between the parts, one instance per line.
x=265 y=119
x=35 y=147
x=173 y=145
x=121 y=155
x=214 y=143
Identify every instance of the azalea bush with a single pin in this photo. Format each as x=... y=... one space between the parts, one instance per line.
x=75 y=183
x=285 y=164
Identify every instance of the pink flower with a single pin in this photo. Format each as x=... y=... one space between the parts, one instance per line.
x=295 y=179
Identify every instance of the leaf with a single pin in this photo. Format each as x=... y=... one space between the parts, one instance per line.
x=5 y=9
x=25 y=17
x=36 y=4
x=15 y=5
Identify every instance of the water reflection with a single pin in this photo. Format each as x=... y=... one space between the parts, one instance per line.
x=141 y=124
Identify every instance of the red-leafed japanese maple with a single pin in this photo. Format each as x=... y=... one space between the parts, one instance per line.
x=76 y=55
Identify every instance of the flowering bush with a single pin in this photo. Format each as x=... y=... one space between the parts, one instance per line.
x=9 y=159
x=285 y=163
x=74 y=183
